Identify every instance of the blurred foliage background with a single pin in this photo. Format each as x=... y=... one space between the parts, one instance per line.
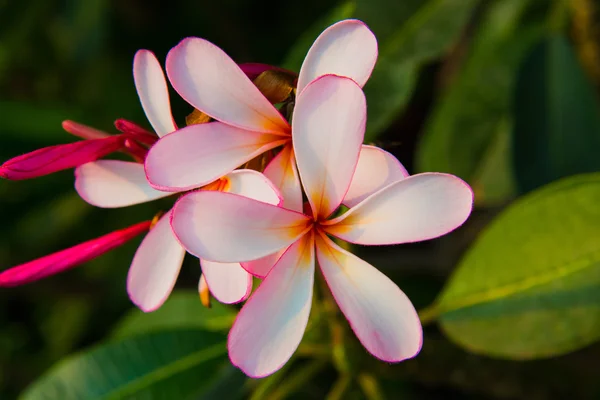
x=503 y=93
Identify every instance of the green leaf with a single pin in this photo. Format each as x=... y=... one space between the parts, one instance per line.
x=419 y=37
x=182 y=310
x=469 y=132
x=557 y=117
x=529 y=285
x=161 y=365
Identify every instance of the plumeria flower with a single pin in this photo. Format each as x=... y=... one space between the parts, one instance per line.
x=247 y=124
x=328 y=125
x=158 y=259
x=113 y=183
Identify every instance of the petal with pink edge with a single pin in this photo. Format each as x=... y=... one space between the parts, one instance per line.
x=375 y=170
x=225 y=227
x=347 y=48
x=284 y=175
x=380 y=314
x=153 y=92
x=329 y=126
x=229 y=283
x=114 y=183
x=254 y=185
x=155 y=266
x=211 y=81
x=198 y=154
x=420 y=207
x=261 y=267
x=271 y=324
x=63 y=260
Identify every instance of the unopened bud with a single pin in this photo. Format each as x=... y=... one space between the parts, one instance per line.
x=275 y=85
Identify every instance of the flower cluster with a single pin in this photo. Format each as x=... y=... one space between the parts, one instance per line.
x=272 y=177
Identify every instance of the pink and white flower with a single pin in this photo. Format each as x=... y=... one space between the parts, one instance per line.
x=247 y=124
x=158 y=259
x=390 y=208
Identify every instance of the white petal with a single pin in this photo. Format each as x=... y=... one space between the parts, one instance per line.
x=380 y=314
x=375 y=170
x=229 y=283
x=155 y=266
x=347 y=48
x=261 y=267
x=152 y=89
x=199 y=154
x=254 y=185
x=213 y=83
x=271 y=324
x=114 y=183
x=420 y=207
x=225 y=227
x=284 y=175
x=328 y=129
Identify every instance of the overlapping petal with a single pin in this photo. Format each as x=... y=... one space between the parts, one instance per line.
x=254 y=185
x=114 y=183
x=347 y=48
x=211 y=81
x=284 y=175
x=380 y=314
x=271 y=324
x=420 y=207
x=375 y=170
x=225 y=227
x=328 y=130
x=261 y=267
x=153 y=92
x=198 y=154
x=229 y=283
x=155 y=266
x=63 y=260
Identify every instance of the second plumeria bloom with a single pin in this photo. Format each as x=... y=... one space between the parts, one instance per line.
x=328 y=123
x=246 y=123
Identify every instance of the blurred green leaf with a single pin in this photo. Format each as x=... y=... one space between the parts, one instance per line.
x=182 y=310
x=469 y=131
x=557 y=117
x=420 y=37
x=529 y=287
x=295 y=57
x=161 y=365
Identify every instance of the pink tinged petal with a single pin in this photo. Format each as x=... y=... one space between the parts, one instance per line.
x=225 y=227
x=380 y=314
x=329 y=126
x=66 y=259
x=199 y=154
x=347 y=48
x=152 y=89
x=114 y=183
x=284 y=175
x=261 y=267
x=57 y=158
x=211 y=81
x=375 y=170
x=155 y=266
x=229 y=283
x=254 y=185
x=271 y=324
x=83 y=131
x=417 y=208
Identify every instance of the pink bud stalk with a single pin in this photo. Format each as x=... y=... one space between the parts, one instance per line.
x=63 y=260
x=57 y=158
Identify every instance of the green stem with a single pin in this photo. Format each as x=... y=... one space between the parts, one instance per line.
x=429 y=314
x=370 y=386
x=558 y=17
x=339 y=388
